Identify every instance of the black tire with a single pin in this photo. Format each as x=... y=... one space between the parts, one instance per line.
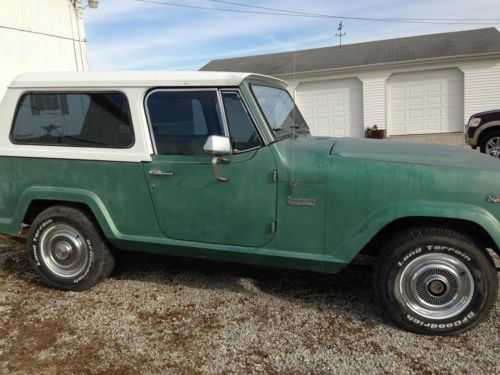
x=436 y=249
x=486 y=139
x=67 y=249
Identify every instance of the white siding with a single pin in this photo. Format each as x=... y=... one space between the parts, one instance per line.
x=481 y=86
x=374 y=99
x=23 y=48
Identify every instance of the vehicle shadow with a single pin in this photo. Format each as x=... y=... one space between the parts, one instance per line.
x=348 y=293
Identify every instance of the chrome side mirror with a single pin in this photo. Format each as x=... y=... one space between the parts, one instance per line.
x=218 y=146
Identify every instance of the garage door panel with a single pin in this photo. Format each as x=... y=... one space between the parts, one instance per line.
x=416 y=125
x=398 y=115
x=398 y=103
x=416 y=102
x=335 y=109
x=434 y=125
x=340 y=133
x=425 y=102
x=415 y=114
x=433 y=113
x=307 y=100
x=321 y=98
x=398 y=91
x=415 y=90
x=339 y=108
x=434 y=100
x=307 y=111
x=321 y=110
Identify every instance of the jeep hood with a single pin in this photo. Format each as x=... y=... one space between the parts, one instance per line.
x=313 y=155
x=413 y=153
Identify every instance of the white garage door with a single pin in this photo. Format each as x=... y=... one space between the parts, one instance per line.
x=426 y=102
x=332 y=108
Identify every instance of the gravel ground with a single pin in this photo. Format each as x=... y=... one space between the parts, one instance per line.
x=453 y=139
x=165 y=315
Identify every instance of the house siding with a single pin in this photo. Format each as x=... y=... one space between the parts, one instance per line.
x=481 y=87
x=30 y=39
x=374 y=99
x=481 y=83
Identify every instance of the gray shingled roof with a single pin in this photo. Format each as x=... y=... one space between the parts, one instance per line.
x=454 y=44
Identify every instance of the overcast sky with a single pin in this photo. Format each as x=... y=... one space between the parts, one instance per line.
x=131 y=35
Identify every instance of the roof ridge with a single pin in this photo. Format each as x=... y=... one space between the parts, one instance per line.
x=361 y=43
x=454 y=44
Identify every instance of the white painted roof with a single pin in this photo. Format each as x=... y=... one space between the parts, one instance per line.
x=131 y=79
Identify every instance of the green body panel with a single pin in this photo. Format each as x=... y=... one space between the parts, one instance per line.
x=346 y=191
x=116 y=192
x=192 y=205
x=301 y=229
x=388 y=181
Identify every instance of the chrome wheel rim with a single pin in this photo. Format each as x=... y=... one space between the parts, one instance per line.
x=435 y=286
x=493 y=147
x=63 y=250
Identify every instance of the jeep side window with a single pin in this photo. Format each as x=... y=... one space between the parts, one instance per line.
x=73 y=119
x=241 y=129
x=182 y=120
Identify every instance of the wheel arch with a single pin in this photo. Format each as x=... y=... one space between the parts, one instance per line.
x=367 y=237
x=488 y=129
x=472 y=229
x=36 y=199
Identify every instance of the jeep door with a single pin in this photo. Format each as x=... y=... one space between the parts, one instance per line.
x=191 y=203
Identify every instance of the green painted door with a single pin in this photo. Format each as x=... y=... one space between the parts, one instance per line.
x=190 y=203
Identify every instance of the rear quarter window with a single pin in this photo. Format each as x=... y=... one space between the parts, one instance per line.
x=73 y=119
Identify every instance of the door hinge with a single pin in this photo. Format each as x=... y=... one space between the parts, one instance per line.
x=274 y=226
x=275 y=176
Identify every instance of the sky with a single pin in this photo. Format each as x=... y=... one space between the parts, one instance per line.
x=133 y=35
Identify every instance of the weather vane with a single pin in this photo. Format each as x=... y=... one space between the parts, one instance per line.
x=340 y=34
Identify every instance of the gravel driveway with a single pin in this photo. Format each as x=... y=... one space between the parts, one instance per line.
x=452 y=139
x=164 y=315
x=171 y=315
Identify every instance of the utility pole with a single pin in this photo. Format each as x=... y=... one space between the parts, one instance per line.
x=340 y=34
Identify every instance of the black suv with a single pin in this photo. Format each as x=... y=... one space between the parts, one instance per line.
x=483 y=131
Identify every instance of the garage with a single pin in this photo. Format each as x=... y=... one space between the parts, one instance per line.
x=425 y=102
x=332 y=108
x=425 y=84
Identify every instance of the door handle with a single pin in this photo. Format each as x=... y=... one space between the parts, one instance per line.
x=156 y=172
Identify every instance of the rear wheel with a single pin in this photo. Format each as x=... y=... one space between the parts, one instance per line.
x=67 y=249
x=490 y=145
x=435 y=281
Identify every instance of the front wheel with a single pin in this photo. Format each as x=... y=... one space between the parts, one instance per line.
x=435 y=281
x=491 y=144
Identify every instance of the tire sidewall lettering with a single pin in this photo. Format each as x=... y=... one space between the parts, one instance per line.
x=433 y=248
x=433 y=325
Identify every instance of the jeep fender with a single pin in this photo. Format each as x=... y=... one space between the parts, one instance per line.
x=374 y=223
x=72 y=195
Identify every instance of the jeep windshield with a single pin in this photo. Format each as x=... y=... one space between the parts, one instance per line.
x=280 y=111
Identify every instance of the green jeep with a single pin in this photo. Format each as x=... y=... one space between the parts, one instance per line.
x=222 y=166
